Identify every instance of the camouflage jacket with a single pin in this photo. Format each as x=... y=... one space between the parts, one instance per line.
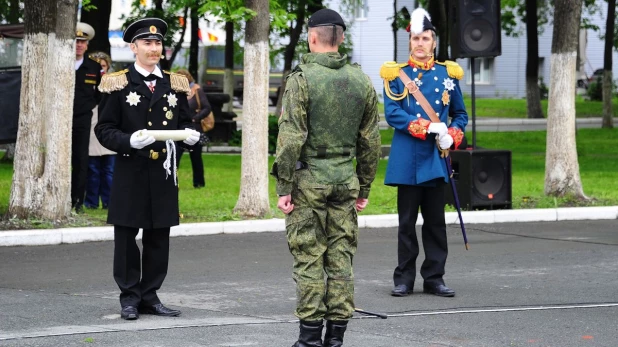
x=329 y=117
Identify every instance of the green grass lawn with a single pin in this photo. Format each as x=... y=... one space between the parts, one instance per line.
x=517 y=108
x=598 y=162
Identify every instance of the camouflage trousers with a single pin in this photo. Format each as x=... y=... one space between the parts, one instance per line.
x=322 y=234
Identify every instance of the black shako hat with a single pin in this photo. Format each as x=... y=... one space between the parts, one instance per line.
x=326 y=17
x=420 y=21
x=147 y=28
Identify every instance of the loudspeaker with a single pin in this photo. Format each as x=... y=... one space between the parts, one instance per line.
x=475 y=30
x=482 y=178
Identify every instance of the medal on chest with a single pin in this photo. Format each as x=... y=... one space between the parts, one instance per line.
x=133 y=99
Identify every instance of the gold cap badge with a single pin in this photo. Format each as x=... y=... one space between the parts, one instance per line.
x=153 y=29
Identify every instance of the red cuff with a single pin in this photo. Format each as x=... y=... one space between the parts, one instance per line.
x=457 y=136
x=418 y=128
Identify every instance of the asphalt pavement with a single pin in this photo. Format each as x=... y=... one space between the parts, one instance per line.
x=547 y=283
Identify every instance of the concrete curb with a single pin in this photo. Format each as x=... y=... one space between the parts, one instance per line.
x=78 y=235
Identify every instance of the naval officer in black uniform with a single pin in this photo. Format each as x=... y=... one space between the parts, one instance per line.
x=87 y=78
x=144 y=188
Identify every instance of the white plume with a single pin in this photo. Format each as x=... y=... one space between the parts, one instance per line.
x=417 y=19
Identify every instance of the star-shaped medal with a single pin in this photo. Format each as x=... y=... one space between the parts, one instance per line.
x=448 y=84
x=133 y=99
x=172 y=100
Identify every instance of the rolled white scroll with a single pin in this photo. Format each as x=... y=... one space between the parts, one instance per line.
x=164 y=135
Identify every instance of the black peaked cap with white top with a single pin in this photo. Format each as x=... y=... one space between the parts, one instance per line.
x=147 y=29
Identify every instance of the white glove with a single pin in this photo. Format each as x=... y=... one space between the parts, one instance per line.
x=437 y=128
x=445 y=141
x=139 y=139
x=193 y=138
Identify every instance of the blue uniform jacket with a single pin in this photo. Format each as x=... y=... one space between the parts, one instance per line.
x=413 y=161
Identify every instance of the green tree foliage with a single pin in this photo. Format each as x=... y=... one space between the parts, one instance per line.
x=11 y=11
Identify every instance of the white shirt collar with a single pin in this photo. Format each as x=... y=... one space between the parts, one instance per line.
x=143 y=72
x=79 y=63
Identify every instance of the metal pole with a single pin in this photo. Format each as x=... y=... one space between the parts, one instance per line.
x=473 y=104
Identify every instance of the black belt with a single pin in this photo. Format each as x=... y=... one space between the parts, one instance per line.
x=301 y=165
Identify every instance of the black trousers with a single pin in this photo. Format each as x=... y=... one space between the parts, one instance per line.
x=197 y=164
x=79 y=157
x=431 y=202
x=137 y=279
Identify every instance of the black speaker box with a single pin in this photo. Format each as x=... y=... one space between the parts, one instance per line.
x=482 y=178
x=475 y=30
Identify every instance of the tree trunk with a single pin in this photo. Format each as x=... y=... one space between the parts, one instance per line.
x=182 y=39
x=193 y=45
x=395 y=28
x=228 y=75
x=41 y=180
x=290 y=49
x=533 y=94
x=13 y=13
x=608 y=85
x=99 y=19
x=253 y=198
x=561 y=166
x=437 y=11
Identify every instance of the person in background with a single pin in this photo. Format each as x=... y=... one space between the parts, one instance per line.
x=200 y=108
x=415 y=165
x=101 y=160
x=87 y=78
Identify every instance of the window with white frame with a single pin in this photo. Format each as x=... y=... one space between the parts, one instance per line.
x=483 y=71
x=361 y=10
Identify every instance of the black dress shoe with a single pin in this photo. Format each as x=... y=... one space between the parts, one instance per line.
x=438 y=289
x=158 y=310
x=129 y=313
x=401 y=290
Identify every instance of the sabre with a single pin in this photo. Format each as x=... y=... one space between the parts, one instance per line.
x=380 y=315
x=457 y=205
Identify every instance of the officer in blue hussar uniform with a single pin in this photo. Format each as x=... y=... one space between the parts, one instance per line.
x=144 y=191
x=415 y=166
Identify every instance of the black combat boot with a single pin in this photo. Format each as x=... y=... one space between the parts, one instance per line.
x=334 y=333
x=310 y=334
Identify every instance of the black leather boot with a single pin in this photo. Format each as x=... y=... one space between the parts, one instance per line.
x=310 y=334
x=334 y=333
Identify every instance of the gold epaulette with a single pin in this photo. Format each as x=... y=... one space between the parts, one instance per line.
x=92 y=57
x=179 y=82
x=390 y=70
x=114 y=81
x=453 y=69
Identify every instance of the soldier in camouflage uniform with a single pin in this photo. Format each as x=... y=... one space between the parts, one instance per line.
x=329 y=117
